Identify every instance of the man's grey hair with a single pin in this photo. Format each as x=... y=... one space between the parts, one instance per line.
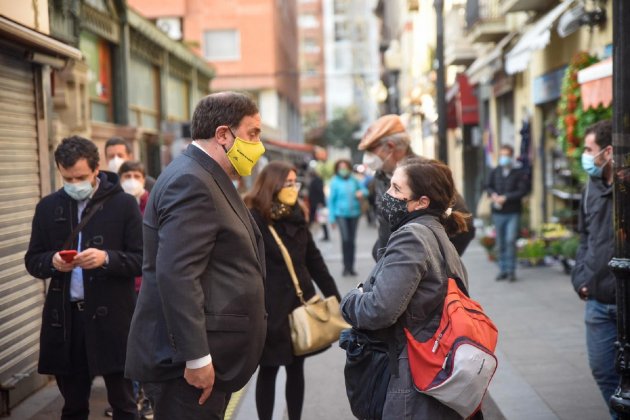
x=400 y=140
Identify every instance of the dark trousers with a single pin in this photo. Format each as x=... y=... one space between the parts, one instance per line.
x=75 y=387
x=176 y=399
x=348 y=231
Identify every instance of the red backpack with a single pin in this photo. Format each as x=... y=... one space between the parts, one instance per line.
x=455 y=366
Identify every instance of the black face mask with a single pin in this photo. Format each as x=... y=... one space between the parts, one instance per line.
x=393 y=209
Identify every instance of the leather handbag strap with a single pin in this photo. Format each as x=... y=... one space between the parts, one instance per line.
x=289 y=262
x=96 y=207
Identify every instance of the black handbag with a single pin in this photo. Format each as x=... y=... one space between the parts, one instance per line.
x=366 y=373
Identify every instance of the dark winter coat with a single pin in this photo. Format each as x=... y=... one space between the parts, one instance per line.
x=597 y=243
x=109 y=291
x=406 y=288
x=514 y=187
x=280 y=297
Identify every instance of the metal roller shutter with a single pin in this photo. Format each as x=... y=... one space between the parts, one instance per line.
x=21 y=296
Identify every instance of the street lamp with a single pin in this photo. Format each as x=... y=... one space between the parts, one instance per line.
x=441 y=81
x=392 y=60
x=620 y=264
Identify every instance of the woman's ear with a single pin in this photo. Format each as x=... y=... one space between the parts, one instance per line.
x=423 y=203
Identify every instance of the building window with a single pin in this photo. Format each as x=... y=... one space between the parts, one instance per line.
x=342 y=7
x=222 y=45
x=310 y=96
x=310 y=46
x=177 y=106
x=308 y=20
x=98 y=58
x=342 y=31
x=144 y=105
x=310 y=68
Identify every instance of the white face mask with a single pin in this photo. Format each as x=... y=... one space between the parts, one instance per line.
x=133 y=186
x=372 y=161
x=114 y=164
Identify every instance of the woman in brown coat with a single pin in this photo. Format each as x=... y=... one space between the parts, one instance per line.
x=273 y=201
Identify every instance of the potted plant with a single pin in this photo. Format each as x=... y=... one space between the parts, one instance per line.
x=488 y=240
x=532 y=252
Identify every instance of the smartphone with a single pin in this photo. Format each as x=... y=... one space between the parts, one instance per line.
x=68 y=255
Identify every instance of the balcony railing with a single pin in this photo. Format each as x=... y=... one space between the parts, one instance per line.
x=482 y=10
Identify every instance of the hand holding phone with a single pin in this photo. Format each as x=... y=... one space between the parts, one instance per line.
x=68 y=255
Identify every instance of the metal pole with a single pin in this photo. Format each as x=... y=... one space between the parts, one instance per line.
x=620 y=264
x=441 y=82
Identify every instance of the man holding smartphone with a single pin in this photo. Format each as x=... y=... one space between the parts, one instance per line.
x=92 y=266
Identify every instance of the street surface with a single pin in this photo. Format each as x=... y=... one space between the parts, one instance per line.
x=543 y=372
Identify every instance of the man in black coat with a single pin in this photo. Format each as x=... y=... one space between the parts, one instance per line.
x=91 y=296
x=507 y=184
x=591 y=277
x=199 y=326
x=385 y=144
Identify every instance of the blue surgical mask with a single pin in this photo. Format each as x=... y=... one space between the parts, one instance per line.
x=588 y=164
x=79 y=190
x=505 y=161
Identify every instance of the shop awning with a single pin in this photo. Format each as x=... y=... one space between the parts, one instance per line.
x=483 y=68
x=596 y=84
x=536 y=38
x=463 y=108
x=317 y=151
x=47 y=50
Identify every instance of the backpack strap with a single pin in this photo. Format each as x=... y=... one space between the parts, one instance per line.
x=449 y=273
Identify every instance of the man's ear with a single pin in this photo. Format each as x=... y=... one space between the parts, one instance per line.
x=221 y=135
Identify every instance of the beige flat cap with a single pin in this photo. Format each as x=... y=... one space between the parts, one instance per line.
x=383 y=127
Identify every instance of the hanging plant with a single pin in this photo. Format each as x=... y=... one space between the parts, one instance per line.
x=570 y=113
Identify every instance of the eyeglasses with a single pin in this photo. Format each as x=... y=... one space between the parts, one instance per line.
x=296 y=185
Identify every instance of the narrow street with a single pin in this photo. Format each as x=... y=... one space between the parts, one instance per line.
x=543 y=371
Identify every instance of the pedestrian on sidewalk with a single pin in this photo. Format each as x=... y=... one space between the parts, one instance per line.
x=90 y=300
x=386 y=143
x=591 y=277
x=273 y=202
x=199 y=326
x=507 y=184
x=408 y=282
x=344 y=210
x=132 y=179
x=317 y=202
x=117 y=152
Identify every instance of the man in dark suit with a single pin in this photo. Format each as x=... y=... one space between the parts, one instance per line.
x=199 y=325
x=91 y=296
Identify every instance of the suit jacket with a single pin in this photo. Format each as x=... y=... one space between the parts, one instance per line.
x=203 y=273
x=108 y=291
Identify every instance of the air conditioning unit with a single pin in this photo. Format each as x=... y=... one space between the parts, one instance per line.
x=572 y=19
x=171 y=26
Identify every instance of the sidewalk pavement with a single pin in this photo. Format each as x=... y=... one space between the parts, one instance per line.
x=543 y=370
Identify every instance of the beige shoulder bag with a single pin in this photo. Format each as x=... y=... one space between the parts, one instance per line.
x=315 y=324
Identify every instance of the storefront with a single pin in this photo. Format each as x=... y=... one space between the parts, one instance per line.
x=558 y=189
x=26 y=60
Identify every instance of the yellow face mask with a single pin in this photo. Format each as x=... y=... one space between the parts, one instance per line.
x=288 y=195
x=244 y=154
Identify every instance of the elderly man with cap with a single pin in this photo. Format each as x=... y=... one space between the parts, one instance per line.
x=385 y=143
